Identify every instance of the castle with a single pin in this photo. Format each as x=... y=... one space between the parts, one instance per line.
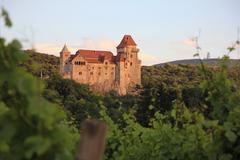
x=101 y=69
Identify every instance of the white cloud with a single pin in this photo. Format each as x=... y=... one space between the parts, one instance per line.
x=98 y=44
x=148 y=59
x=189 y=42
x=85 y=43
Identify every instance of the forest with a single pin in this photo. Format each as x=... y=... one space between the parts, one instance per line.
x=181 y=112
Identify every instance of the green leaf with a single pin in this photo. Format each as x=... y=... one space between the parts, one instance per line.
x=3 y=108
x=150 y=107
x=6 y=17
x=196 y=55
x=231 y=136
x=230 y=49
x=36 y=144
x=225 y=157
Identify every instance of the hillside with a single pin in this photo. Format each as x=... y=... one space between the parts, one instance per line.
x=211 y=62
x=41 y=63
x=174 y=73
x=49 y=64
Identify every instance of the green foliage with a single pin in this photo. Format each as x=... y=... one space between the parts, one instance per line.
x=30 y=126
x=164 y=140
x=77 y=99
x=181 y=113
x=40 y=64
x=6 y=17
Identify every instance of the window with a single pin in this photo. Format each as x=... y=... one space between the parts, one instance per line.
x=130 y=63
x=79 y=63
x=91 y=73
x=99 y=73
x=99 y=67
x=105 y=73
x=131 y=56
x=92 y=67
x=80 y=73
x=106 y=63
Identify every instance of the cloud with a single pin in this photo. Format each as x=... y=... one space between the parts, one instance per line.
x=189 y=42
x=148 y=59
x=85 y=43
x=98 y=44
x=52 y=48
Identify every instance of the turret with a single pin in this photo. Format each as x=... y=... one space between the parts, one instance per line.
x=128 y=64
x=64 y=57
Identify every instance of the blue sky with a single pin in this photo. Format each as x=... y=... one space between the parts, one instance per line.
x=161 y=28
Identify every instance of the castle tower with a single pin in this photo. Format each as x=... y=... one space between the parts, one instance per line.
x=64 y=57
x=128 y=69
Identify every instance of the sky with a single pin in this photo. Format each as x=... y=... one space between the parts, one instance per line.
x=162 y=29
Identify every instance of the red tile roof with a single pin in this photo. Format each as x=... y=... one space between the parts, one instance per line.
x=126 y=41
x=93 y=56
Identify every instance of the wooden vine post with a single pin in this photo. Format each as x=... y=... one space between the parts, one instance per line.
x=92 y=140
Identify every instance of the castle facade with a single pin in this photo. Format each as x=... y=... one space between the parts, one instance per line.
x=101 y=69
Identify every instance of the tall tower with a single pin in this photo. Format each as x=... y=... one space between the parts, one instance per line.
x=128 y=70
x=64 y=57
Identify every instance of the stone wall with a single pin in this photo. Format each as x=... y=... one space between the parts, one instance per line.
x=128 y=69
x=99 y=75
x=120 y=75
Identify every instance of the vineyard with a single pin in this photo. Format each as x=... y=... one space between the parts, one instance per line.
x=183 y=112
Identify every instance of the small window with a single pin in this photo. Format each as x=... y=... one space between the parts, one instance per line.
x=106 y=67
x=106 y=63
x=82 y=63
x=80 y=73
x=131 y=56
x=79 y=63
x=99 y=73
x=105 y=73
x=130 y=63
x=112 y=68
x=92 y=67
x=99 y=67
x=91 y=73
